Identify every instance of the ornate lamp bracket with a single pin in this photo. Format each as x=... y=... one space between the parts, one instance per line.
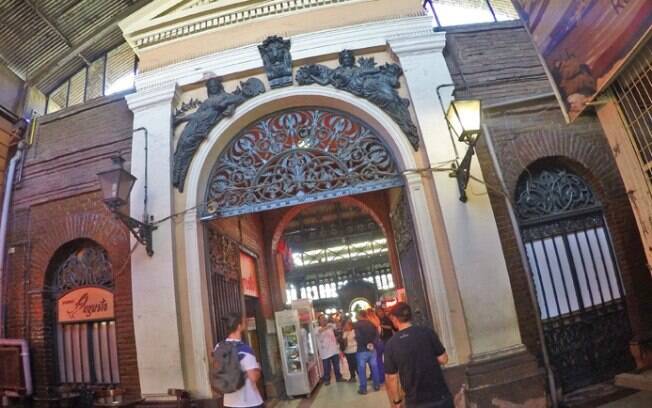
x=142 y=231
x=462 y=172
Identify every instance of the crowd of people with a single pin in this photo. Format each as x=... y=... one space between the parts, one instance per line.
x=385 y=341
x=408 y=358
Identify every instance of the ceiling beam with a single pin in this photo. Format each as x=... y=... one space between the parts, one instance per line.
x=77 y=51
x=47 y=21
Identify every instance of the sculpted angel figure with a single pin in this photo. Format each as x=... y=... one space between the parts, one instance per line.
x=365 y=79
x=219 y=104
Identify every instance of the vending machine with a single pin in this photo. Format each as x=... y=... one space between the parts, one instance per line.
x=296 y=336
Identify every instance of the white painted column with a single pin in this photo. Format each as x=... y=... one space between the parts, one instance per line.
x=470 y=227
x=154 y=294
x=431 y=264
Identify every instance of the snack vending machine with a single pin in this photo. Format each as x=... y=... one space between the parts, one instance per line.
x=296 y=336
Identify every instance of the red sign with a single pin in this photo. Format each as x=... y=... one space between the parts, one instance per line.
x=248 y=270
x=86 y=304
x=584 y=43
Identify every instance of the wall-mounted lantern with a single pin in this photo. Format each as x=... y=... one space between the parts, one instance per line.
x=463 y=117
x=116 y=186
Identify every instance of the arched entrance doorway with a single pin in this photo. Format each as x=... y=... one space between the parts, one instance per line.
x=575 y=275
x=294 y=158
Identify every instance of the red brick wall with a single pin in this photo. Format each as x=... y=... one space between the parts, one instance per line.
x=58 y=201
x=500 y=64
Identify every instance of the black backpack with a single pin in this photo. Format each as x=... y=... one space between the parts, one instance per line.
x=227 y=375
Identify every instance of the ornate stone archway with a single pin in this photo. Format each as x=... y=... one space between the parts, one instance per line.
x=297 y=156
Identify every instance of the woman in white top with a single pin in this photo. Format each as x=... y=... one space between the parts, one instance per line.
x=328 y=350
x=351 y=348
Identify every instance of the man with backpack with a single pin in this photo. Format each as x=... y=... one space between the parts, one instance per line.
x=236 y=370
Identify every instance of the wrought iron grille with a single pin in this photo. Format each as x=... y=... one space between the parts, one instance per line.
x=86 y=266
x=87 y=352
x=633 y=92
x=224 y=291
x=552 y=192
x=575 y=276
x=297 y=156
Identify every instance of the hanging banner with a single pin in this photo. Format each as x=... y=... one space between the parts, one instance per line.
x=584 y=43
x=86 y=304
x=248 y=271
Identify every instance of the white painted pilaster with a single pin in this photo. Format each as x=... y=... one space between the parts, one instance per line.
x=471 y=230
x=154 y=295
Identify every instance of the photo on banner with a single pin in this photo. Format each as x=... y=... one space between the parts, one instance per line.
x=584 y=43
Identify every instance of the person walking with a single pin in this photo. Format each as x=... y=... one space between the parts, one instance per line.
x=420 y=372
x=328 y=350
x=350 y=348
x=248 y=395
x=386 y=332
x=366 y=336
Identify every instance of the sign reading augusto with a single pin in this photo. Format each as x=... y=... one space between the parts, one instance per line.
x=86 y=304
x=584 y=43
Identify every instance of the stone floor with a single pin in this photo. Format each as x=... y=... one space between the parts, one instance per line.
x=339 y=395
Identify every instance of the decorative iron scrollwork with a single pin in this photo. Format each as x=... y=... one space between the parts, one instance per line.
x=377 y=84
x=552 y=191
x=86 y=266
x=224 y=256
x=562 y=227
x=401 y=224
x=298 y=156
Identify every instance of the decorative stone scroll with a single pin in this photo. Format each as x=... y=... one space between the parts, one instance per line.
x=218 y=105
x=377 y=84
x=297 y=156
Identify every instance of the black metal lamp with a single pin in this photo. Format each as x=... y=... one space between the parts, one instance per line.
x=463 y=118
x=116 y=186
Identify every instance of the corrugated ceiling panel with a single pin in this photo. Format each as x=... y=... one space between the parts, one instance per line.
x=80 y=22
x=28 y=43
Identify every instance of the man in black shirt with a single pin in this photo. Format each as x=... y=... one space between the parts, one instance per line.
x=415 y=354
x=366 y=336
x=386 y=333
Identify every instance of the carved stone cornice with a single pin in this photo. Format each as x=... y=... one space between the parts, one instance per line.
x=418 y=42
x=167 y=93
x=214 y=16
x=304 y=46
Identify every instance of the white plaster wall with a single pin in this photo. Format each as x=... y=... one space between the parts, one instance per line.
x=470 y=227
x=156 y=323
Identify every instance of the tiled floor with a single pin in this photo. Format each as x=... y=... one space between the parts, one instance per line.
x=339 y=395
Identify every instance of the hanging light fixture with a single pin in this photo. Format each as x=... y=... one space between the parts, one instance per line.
x=463 y=118
x=116 y=185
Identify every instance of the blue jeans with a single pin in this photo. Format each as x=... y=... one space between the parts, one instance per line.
x=335 y=362
x=380 y=350
x=364 y=357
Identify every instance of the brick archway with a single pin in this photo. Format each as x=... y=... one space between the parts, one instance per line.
x=581 y=148
x=87 y=220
